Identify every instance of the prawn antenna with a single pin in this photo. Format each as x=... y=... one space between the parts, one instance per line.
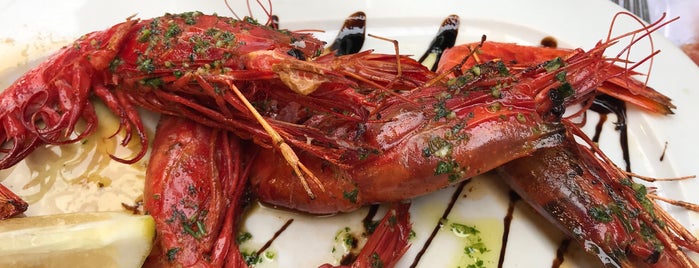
x=267 y=9
x=636 y=36
x=399 y=70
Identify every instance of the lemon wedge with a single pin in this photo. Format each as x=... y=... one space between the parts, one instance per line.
x=99 y=239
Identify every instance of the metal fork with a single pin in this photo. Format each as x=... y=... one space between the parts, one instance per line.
x=637 y=7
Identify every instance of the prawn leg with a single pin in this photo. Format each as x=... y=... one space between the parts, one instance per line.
x=286 y=151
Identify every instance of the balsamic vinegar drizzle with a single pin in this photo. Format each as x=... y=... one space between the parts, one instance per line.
x=506 y=222
x=368 y=219
x=549 y=41
x=662 y=156
x=445 y=214
x=351 y=37
x=274 y=23
x=560 y=252
x=604 y=105
x=445 y=38
x=274 y=237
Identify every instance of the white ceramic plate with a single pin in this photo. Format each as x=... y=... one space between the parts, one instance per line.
x=32 y=29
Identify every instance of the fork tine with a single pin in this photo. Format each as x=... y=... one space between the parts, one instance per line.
x=637 y=7
x=644 y=11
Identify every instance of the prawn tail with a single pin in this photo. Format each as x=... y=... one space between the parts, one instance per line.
x=10 y=204
x=388 y=242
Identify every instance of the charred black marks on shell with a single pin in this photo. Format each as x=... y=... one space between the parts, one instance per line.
x=351 y=37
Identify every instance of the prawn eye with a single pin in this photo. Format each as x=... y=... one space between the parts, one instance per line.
x=557 y=99
x=653 y=258
x=296 y=54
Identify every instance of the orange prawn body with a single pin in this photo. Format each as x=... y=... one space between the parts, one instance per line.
x=189 y=65
x=194 y=185
x=416 y=157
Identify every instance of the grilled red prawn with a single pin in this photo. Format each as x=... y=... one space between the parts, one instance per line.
x=604 y=210
x=194 y=184
x=214 y=70
x=192 y=65
x=469 y=125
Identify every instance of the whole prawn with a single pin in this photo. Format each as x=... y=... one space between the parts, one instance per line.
x=208 y=68
x=458 y=129
x=181 y=147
